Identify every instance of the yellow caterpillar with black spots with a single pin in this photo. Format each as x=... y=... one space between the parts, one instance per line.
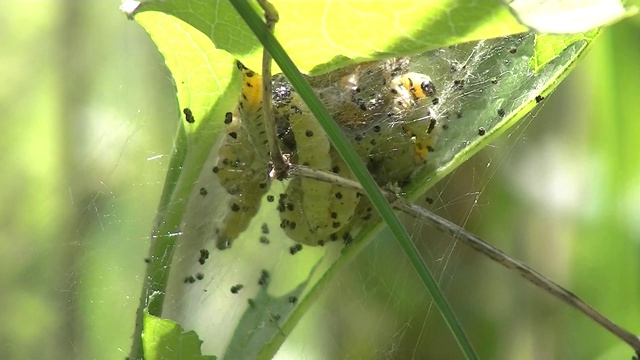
x=381 y=106
x=242 y=160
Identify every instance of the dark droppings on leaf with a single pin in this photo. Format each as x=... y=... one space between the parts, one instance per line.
x=204 y=255
x=295 y=249
x=189 y=279
x=481 y=131
x=203 y=192
x=236 y=288
x=199 y=276
x=501 y=112
x=429 y=200
x=188 y=115
x=539 y=99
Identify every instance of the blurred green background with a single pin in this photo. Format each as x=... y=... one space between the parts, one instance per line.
x=90 y=115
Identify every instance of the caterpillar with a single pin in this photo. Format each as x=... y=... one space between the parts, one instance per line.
x=381 y=106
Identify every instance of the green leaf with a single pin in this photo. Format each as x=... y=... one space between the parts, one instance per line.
x=503 y=88
x=207 y=86
x=549 y=46
x=165 y=340
x=251 y=334
x=336 y=34
x=201 y=72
